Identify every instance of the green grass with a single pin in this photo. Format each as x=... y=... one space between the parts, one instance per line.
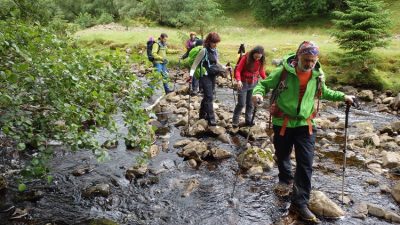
x=243 y=28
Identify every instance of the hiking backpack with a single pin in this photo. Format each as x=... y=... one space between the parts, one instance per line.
x=192 y=56
x=149 y=49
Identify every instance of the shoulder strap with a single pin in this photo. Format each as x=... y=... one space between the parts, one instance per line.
x=279 y=87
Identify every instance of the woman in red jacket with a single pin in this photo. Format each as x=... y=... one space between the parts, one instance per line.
x=250 y=67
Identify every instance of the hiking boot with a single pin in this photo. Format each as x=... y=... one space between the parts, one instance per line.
x=283 y=189
x=249 y=124
x=235 y=124
x=212 y=122
x=305 y=214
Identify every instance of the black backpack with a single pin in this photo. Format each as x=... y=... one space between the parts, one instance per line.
x=149 y=49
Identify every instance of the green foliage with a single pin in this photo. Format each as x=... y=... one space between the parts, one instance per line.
x=41 y=11
x=105 y=18
x=85 y=20
x=286 y=12
x=51 y=90
x=362 y=27
x=179 y=13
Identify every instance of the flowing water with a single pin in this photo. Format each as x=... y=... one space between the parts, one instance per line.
x=157 y=199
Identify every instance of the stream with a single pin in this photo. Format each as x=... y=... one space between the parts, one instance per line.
x=156 y=198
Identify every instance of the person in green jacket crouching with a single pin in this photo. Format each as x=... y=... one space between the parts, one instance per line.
x=296 y=84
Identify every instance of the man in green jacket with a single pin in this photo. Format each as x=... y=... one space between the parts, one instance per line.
x=301 y=80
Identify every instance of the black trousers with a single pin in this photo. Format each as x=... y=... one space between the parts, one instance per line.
x=206 y=106
x=304 y=144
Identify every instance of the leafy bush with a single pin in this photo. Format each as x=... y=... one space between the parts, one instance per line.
x=51 y=90
x=84 y=20
x=105 y=18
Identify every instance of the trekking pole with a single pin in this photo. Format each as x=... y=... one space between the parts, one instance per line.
x=232 y=200
x=190 y=88
x=233 y=89
x=346 y=125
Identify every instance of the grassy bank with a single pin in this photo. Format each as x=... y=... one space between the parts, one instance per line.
x=243 y=28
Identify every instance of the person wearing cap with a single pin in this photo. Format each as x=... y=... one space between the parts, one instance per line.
x=301 y=80
x=190 y=44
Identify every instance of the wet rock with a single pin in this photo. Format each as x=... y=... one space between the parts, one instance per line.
x=390 y=146
x=346 y=200
x=190 y=186
x=182 y=104
x=192 y=163
x=195 y=150
x=81 y=170
x=331 y=136
x=384 y=189
x=31 y=195
x=256 y=132
x=97 y=190
x=219 y=153
x=323 y=123
x=182 y=122
x=217 y=130
x=98 y=222
x=321 y=205
x=224 y=138
x=255 y=171
x=360 y=210
x=172 y=97
x=19 y=214
x=372 y=181
x=154 y=151
x=393 y=217
x=371 y=139
x=386 y=129
x=385 y=138
x=255 y=156
x=388 y=100
x=109 y=144
x=396 y=126
x=161 y=129
x=168 y=164
x=3 y=183
x=183 y=90
x=396 y=192
x=364 y=127
x=366 y=95
x=199 y=128
x=148 y=181
x=182 y=143
x=136 y=171
x=376 y=210
x=182 y=111
x=375 y=168
x=390 y=159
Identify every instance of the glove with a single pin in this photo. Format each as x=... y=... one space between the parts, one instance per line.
x=189 y=80
x=256 y=99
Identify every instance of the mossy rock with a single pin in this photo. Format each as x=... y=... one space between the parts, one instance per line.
x=255 y=156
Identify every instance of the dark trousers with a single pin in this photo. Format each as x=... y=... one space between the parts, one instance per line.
x=303 y=143
x=244 y=99
x=206 y=106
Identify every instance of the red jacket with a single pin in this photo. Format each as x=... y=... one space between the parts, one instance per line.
x=251 y=77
